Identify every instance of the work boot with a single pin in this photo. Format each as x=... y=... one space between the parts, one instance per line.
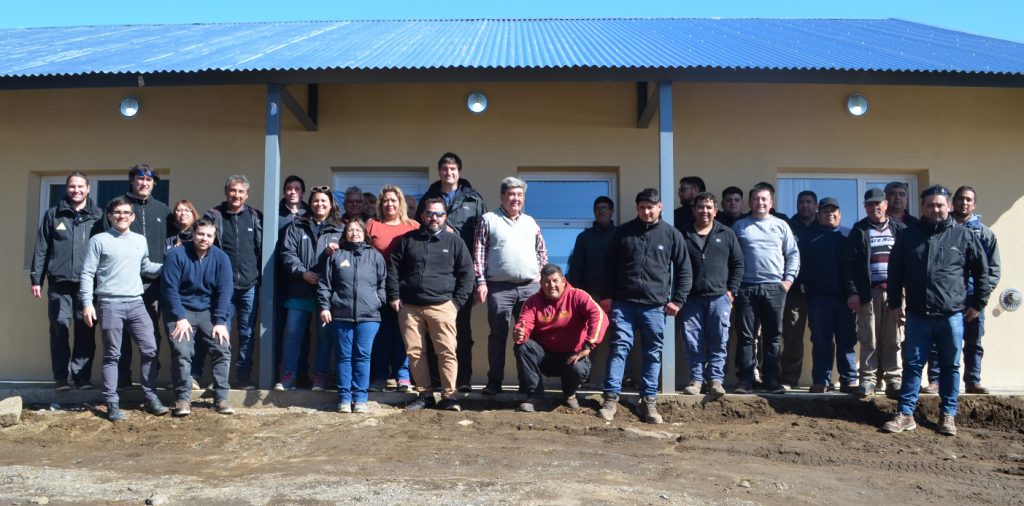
x=976 y=388
x=892 y=389
x=607 y=411
x=649 y=410
x=900 y=423
x=182 y=408
x=744 y=387
x=449 y=404
x=223 y=407
x=156 y=408
x=717 y=390
x=693 y=388
x=931 y=388
x=865 y=389
x=571 y=402
x=849 y=388
x=114 y=413
x=818 y=389
x=947 y=425
x=526 y=407
x=423 y=401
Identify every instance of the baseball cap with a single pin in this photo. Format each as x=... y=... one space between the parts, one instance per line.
x=874 y=195
x=828 y=201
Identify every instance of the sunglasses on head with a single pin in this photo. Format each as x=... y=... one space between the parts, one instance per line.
x=321 y=189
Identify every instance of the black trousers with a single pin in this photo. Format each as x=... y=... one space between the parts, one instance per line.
x=64 y=308
x=534 y=361
x=759 y=303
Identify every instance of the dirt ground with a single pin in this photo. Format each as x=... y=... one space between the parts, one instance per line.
x=742 y=450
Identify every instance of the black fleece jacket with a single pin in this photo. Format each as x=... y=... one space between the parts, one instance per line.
x=719 y=265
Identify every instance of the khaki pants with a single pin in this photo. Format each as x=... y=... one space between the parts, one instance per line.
x=880 y=334
x=439 y=320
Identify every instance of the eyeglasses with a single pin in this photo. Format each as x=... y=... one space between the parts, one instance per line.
x=321 y=189
x=121 y=213
x=935 y=190
x=434 y=214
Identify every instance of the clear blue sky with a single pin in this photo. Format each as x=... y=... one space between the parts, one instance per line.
x=995 y=18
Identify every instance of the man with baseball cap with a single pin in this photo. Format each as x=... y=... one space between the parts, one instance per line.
x=879 y=329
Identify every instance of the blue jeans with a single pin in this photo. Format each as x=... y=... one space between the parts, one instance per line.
x=973 y=332
x=706 y=330
x=296 y=332
x=947 y=333
x=648 y=323
x=243 y=304
x=354 y=341
x=388 y=359
x=833 y=327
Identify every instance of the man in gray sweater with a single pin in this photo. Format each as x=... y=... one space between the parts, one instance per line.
x=771 y=262
x=112 y=271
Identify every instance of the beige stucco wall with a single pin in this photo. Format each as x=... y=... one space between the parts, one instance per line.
x=729 y=134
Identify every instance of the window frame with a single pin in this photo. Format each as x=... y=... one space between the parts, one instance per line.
x=45 y=182
x=573 y=176
x=389 y=176
x=862 y=179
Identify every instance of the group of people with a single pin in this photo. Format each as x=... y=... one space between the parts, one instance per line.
x=392 y=294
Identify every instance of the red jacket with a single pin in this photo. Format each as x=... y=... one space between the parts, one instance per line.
x=562 y=326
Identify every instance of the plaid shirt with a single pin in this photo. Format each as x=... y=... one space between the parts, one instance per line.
x=481 y=243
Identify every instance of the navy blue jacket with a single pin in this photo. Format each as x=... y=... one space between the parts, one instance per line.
x=352 y=284
x=195 y=284
x=821 y=262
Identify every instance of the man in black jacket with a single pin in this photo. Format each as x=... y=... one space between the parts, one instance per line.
x=155 y=222
x=648 y=277
x=794 y=314
x=717 y=264
x=464 y=206
x=931 y=261
x=587 y=260
x=832 y=323
x=429 y=279
x=879 y=329
x=60 y=249
x=240 y=235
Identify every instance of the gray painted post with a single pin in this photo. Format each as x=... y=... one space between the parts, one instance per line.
x=666 y=166
x=271 y=181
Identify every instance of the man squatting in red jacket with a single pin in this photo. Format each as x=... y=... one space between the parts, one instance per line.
x=558 y=329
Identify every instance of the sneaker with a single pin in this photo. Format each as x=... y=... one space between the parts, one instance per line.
x=947 y=425
x=195 y=385
x=865 y=389
x=449 y=404
x=361 y=407
x=287 y=382
x=607 y=411
x=892 y=389
x=344 y=407
x=717 y=390
x=744 y=387
x=182 y=408
x=693 y=388
x=526 y=407
x=900 y=423
x=224 y=408
x=849 y=388
x=62 y=386
x=931 y=388
x=818 y=389
x=421 y=402
x=465 y=388
x=976 y=388
x=319 y=382
x=391 y=384
x=376 y=387
x=114 y=413
x=404 y=386
x=774 y=387
x=571 y=401
x=649 y=410
x=491 y=390
x=156 y=408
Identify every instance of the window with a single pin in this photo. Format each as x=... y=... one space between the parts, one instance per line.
x=101 y=189
x=849 y=189
x=563 y=205
x=413 y=183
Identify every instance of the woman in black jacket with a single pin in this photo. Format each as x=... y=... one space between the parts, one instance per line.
x=308 y=242
x=350 y=295
x=185 y=215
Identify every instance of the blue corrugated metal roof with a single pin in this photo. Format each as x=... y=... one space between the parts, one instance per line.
x=803 y=44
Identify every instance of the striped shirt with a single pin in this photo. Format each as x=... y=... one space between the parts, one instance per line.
x=880 y=240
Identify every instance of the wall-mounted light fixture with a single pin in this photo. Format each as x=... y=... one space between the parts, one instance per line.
x=129 y=106
x=857 y=104
x=476 y=102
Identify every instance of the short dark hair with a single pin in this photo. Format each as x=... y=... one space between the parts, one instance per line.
x=892 y=185
x=732 y=190
x=362 y=226
x=118 y=202
x=142 y=169
x=204 y=222
x=936 y=189
x=694 y=180
x=431 y=201
x=649 y=195
x=67 y=180
x=604 y=200
x=450 y=157
x=704 y=196
x=966 y=188
x=807 y=193
x=291 y=179
x=762 y=186
x=550 y=269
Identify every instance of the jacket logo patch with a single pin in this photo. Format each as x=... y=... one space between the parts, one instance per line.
x=718 y=240
x=660 y=247
x=954 y=248
x=345 y=263
x=305 y=237
x=249 y=229
x=444 y=251
x=60 y=226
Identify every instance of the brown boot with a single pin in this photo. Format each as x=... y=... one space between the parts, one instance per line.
x=648 y=409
